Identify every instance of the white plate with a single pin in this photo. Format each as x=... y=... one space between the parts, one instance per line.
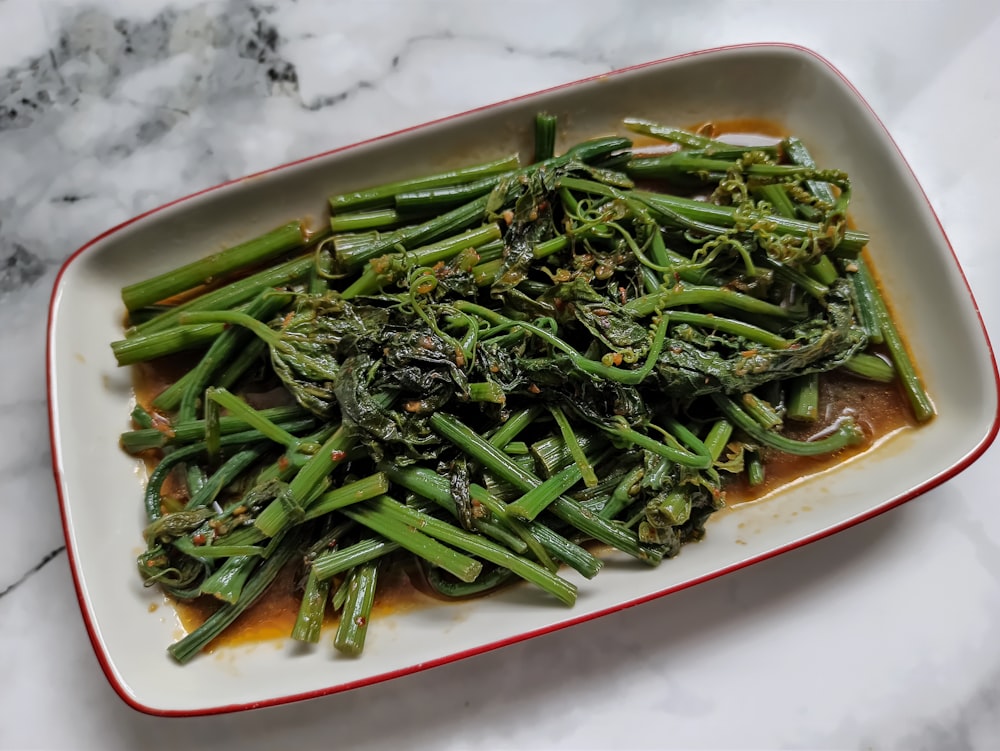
x=99 y=486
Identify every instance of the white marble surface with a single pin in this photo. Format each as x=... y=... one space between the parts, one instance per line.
x=880 y=637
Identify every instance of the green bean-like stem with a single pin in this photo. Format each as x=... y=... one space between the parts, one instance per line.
x=384 y=195
x=485 y=549
x=277 y=516
x=227 y=473
x=536 y=500
x=230 y=295
x=429 y=200
x=622 y=497
x=227 y=582
x=545 y=136
x=368 y=282
x=353 y=627
x=468 y=214
x=416 y=540
x=162 y=343
x=823 y=270
x=871 y=367
x=717 y=438
x=778 y=197
x=920 y=401
x=135 y=441
x=349 y=494
x=731 y=326
x=710 y=146
x=805 y=282
x=755 y=469
x=575 y=449
x=213 y=432
x=690 y=294
x=846 y=434
x=487 y=582
x=330 y=564
x=222 y=349
x=762 y=411
x=797 y=153
x=309 y=621
x=517 y=448
x=699 y=459
x=239 y=408
x=365 y=220
x=437 y=489
x=274 y=243
x=152 y=500
x=432 y=486
x=215 y=624
x=552 y=454
x=803 y=398
x=566 y=509
x=141 y=417
x=866 y=309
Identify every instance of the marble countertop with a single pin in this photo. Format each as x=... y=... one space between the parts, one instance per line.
x=882 y=636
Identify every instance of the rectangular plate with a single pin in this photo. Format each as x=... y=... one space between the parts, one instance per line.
x=89 y=397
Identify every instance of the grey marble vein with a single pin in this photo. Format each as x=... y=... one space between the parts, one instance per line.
x=47 y=558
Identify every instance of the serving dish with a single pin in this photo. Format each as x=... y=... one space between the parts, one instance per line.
x=90 y=396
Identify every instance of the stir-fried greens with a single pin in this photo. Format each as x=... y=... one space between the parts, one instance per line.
x=486 y=370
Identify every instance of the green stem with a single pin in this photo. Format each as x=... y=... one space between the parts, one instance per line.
x=215 y=624
x=545 y=136
x=540 y=497
x=227 y=582
x=629 y=377
x=871 y=367
x=718 y=437
x=353 y=627
x=208 y=269
x=349 y=494
x=485 y=549
x=712 y=214
x=690 y=294
x=575 y=449
x=309 y=621
x=748 y=331
x=255 y=419
x=371 y=514
x=569 y=511
x=328 y=565
x=222 y=349
x=370 y=280
x=230 y=295
x=429 y=200
x=383 y=195
x=182 y=433
x=623 y=497
x=846 y=434
x=277 y=516
x=761 y=411
x=162 y=343
x=365 y=220
x=923 y=409
x=803 y=398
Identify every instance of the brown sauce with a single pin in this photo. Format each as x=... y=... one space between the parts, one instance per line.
x=881 y=410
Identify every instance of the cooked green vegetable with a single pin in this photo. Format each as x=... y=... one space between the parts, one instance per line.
x=524 y=359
